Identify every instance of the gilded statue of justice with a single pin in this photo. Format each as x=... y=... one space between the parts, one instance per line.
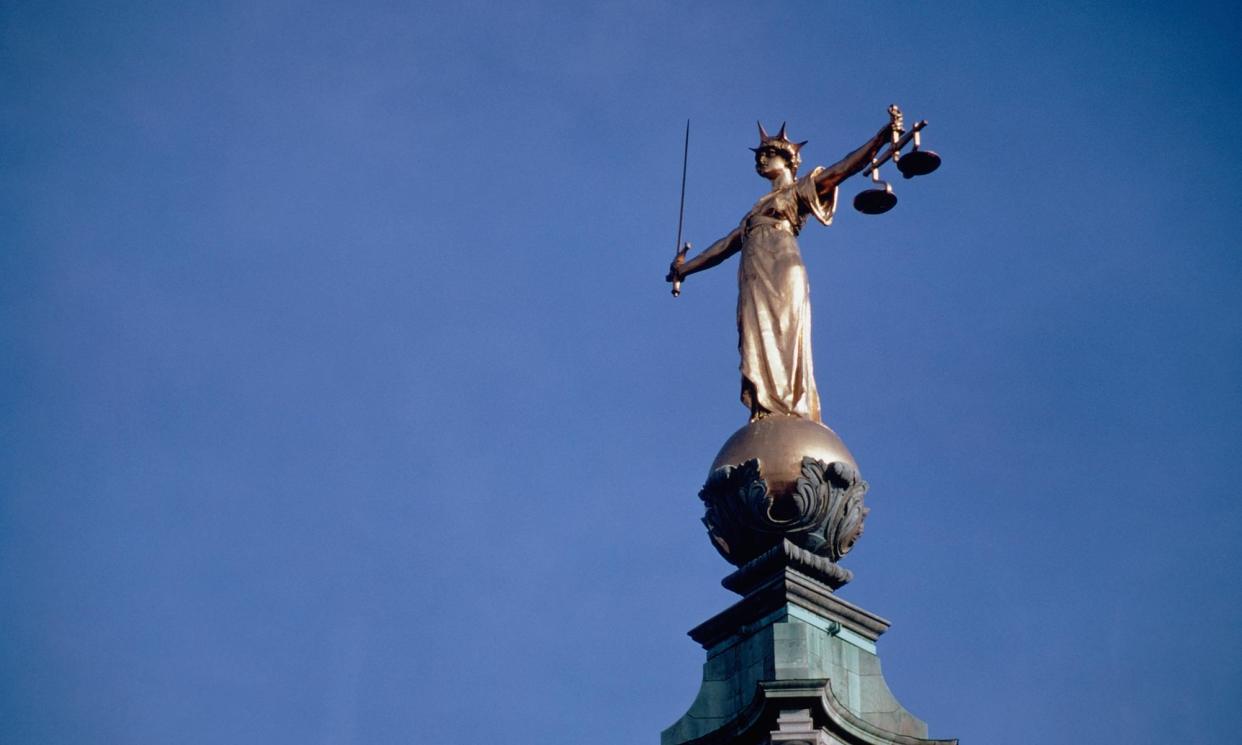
x=785 y=481
x=773 y=305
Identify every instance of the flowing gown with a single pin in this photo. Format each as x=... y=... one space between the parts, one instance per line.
x=774 y=301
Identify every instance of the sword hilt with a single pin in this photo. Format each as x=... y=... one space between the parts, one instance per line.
x=678 y=260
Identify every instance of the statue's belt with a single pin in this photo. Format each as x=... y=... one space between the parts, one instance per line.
x=760 y=221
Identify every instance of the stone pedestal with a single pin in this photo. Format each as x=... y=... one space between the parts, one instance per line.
x=793 y=663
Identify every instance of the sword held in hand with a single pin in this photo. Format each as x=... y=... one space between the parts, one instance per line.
x=674 y=269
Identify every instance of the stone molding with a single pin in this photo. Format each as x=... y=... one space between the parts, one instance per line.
x=787 y=586
x=803 y=711
x=785 y=554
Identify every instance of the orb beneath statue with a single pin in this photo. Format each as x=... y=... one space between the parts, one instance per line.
x=783 y=479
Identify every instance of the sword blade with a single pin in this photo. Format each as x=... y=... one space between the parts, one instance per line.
x=681 y=209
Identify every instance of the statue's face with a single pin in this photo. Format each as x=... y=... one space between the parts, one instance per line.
x=770 y=163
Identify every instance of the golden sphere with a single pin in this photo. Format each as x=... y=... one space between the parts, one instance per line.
x=780 y=443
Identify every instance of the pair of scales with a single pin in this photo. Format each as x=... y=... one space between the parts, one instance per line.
x=918 y=162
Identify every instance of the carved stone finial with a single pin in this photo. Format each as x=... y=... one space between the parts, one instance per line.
x=785 y=478
x=823 y=513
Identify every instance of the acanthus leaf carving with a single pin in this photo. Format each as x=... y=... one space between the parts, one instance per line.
x=822 y=513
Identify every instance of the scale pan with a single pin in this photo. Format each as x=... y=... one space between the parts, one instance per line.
x=918 y=163
x=875 y=201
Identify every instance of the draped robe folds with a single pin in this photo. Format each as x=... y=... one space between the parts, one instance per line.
x=774 y=301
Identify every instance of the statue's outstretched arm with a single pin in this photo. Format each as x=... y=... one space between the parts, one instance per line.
x=828 y=178
x=710 y=257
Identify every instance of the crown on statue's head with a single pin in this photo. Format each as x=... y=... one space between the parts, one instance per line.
x=781 y=144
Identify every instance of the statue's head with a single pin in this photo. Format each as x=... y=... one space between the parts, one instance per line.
x=780 y=145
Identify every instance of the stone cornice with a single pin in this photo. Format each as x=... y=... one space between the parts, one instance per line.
x=787 y=585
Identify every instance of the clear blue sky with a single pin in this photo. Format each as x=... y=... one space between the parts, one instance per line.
x=342 y=400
